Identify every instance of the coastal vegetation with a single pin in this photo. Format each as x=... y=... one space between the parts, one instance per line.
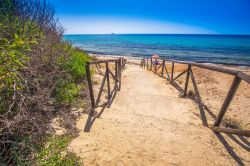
x=41 y=76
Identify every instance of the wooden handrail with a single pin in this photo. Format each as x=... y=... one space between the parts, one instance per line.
x=235 y=84
x=119 y=66
x=244 y=77
x=205 y=66
x=240 y=74
x=104 y=61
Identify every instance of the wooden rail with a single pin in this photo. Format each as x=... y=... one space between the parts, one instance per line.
x=119 y=66
x=238 y=77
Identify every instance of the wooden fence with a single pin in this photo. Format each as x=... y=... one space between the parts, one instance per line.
x=119 y=65
x=238 y=77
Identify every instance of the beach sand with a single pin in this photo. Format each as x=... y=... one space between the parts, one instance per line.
x=149 y=124
x=213 y=88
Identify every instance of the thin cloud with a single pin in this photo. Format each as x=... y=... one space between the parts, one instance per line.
x=106 y=25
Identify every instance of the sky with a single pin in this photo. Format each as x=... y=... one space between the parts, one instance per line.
x=154 y=16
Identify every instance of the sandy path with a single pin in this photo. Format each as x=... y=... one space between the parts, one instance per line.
x=148 y=124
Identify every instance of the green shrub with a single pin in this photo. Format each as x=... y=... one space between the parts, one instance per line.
x=54 y=153
x=67 y=92
x=15 y=44
x=76 y=63
x=39 y=72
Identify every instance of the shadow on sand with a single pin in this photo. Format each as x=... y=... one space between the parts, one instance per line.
x=91 y=118
x=240 y=140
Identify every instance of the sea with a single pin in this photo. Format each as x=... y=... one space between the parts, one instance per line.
x=218 y=49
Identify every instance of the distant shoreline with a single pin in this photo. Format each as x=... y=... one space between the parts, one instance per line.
x=216 y=49
x=161 y=34
x=240 y=67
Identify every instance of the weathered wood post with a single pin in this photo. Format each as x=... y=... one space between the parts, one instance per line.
x=116 y=69
x=119 y=73
x=151 y=63
x=234 y=86
x=123 y=62
x=198 y=97
x=172 y=72
x=147 y=63
x=116 y=75
x=187 y=80
x=162 y=69
x=108 y=83
x=92 y=99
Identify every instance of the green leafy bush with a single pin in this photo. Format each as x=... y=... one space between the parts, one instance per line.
x=76 y=63
x=39 y=72
x=68 y=88
x=67 y=92
x=54 y=153
x=15 y=43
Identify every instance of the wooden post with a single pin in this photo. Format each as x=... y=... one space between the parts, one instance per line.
x=147 y=63
x=92 y=99
x=120 y=73
x=172 y=72
x=100 y=91
x=187 y=80
x=151 y=63
x=116 y=69
x=123 y=62
x=166 y=69
x=162 y=67
x=108 y=83
x=116 y=74
x=197 y=94
x=234 y=86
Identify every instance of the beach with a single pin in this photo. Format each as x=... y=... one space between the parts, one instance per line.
x=213 y=87
x=124 y=83
x=149 y=123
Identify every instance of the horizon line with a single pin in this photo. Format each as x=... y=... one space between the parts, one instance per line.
x=233 y=34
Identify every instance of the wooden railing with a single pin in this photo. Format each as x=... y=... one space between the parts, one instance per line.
x=119 y=65
x=238 y=77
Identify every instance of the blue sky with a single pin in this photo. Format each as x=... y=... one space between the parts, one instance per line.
x=154 y=16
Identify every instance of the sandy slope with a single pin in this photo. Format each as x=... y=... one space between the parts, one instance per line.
x=148 y=124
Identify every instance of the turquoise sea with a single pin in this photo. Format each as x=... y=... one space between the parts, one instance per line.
x=222 y=49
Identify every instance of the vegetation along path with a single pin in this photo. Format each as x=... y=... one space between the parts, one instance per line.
x=149 y=124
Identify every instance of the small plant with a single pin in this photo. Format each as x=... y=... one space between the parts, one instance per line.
x=67 y=92
x=54 y=153
x=76 y=63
